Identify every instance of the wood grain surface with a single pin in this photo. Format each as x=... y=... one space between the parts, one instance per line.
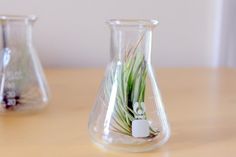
x=200 y=104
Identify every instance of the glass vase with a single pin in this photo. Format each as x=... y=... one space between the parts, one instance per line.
x=22 y=82
x=128 y=114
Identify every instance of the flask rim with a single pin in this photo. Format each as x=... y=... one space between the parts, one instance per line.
x=133 y=22
x=30 y=18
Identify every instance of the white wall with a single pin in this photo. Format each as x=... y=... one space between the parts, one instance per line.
x=72 y=33
x=227 y=46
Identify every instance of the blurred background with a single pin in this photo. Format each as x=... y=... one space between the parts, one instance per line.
x=72 y=33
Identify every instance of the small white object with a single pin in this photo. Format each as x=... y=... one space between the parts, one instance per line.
x=140 y=128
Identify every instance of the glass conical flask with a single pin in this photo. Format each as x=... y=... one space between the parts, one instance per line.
x=128 y=114
x=22 y=82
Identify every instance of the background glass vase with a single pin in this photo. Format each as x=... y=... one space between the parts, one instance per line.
x=128 y=113
x=22 y=81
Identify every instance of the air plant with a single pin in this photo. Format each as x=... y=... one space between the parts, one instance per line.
x=15 y=99
x=10 y=100
x=129 y=75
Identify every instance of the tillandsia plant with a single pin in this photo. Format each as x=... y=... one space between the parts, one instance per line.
x=17 y=89
x=18 y=92
x=19 y=97
x=10 y=100
x=128 y=79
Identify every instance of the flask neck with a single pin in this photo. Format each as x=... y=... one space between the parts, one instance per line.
x=15 y=31
x=130 y=38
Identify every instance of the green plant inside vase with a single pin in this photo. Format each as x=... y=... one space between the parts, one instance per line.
x=129 y=76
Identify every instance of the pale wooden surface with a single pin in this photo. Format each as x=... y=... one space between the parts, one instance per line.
x=200 y=103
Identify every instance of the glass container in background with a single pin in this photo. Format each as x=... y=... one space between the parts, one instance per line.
x=22 y=82
x=128 y=114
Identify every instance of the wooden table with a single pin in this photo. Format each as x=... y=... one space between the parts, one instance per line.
x=200 y=103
